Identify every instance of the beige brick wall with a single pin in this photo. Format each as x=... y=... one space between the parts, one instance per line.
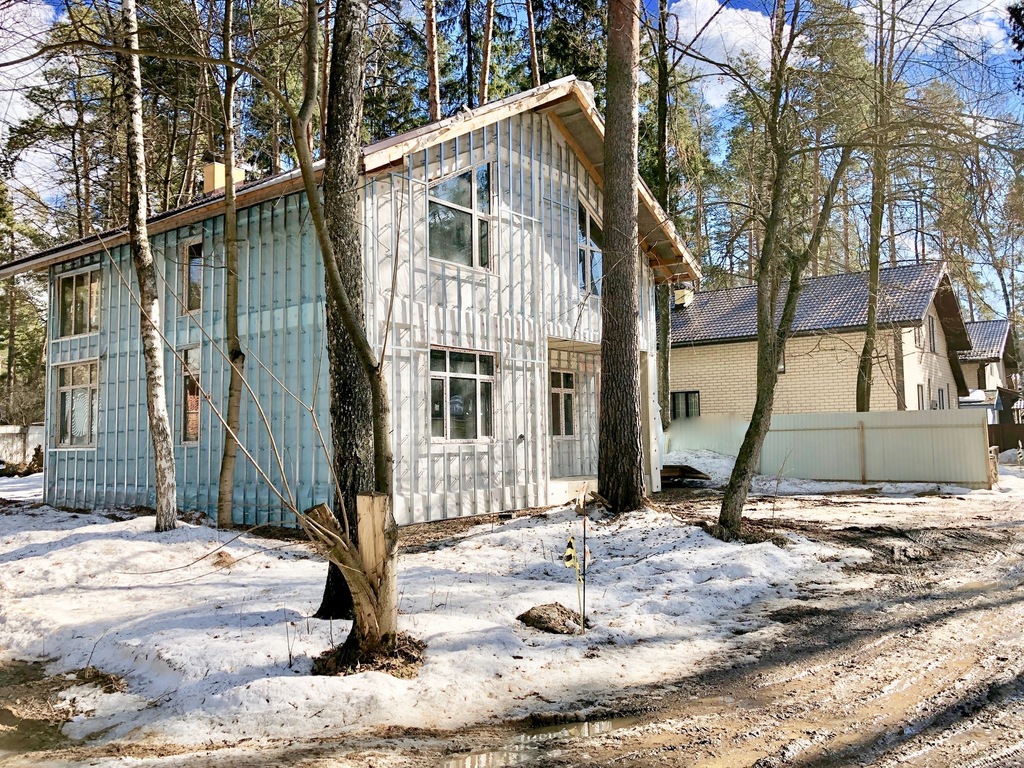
x=821 y=373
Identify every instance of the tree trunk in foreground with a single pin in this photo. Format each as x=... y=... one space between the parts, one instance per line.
x=145 y=273
x=236 y=358
x=359 y=417
x=620 y=451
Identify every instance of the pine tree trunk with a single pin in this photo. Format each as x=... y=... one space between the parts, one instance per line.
x=485 y=64
x=236 y=358
x=620 y=451
x=433 y=78
x=467 y=28
x=661 y=296
x=145 y=272
x=531 y=30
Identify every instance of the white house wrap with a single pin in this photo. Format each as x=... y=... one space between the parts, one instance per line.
x=483 y=265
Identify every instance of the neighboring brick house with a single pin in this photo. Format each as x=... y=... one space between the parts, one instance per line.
x=990 y=368
x=920 y=330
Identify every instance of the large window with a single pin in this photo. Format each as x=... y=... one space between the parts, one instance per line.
x=563 y=406
x=192 y=277
x=79 y=299
x=591 y=245
x=685 y=405
x=77 y=404
x=190 y=395
x=459 y=218
x=461 y=395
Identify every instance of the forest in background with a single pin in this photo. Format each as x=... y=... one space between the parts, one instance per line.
x=924 y=93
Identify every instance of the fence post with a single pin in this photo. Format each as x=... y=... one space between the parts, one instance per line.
x=862 y=452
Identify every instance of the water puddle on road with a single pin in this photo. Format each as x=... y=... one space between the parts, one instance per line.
x=533 y=743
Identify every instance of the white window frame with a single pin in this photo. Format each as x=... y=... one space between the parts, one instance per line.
x=561 y=395
x=69 y=386
x=445 y=377
x=588 y=250
x=478 y=216
x=91 y=322
x=922 y=404
x=932 y=345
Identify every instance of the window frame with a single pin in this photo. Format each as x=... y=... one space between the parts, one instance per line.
x=688 y=398
x=93 y=387
x=587 y=249
x=187 y=373
x=932 y=346
x=921 y=402
x=478 y=377
x=186 y=275
x=94 y=287
x=560 y=393
x=476 y=216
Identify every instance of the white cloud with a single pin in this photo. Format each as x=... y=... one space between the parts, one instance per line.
x=726 y=33
x=723 y=34
x=23 y=26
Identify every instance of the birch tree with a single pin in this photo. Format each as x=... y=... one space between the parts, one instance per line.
x=145 y=273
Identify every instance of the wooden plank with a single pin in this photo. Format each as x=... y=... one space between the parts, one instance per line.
x=372 y=511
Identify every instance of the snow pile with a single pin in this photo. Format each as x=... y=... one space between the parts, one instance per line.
x=215 y=647
x=719 y=467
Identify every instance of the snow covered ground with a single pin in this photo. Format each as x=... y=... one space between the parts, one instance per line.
x=213 y=637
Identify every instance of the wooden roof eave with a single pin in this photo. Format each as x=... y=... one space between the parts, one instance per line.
x=948 y=308
x=582 y=128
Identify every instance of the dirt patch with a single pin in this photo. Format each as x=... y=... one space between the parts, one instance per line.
x=31 y=712
x=404 y=662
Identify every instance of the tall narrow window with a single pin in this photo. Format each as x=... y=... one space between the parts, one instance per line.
x=591 y=246
x=461 y=395
x=193 y=277
x=459 y=210
x=77 y=404
x=921 y=403
x=931 y=333
x=190 y=395
x=563 y=404
x=942 y=399
x=78 y=299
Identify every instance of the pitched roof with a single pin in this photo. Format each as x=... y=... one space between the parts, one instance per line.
x=568 y=102
x=988 y=340
x=827 y=303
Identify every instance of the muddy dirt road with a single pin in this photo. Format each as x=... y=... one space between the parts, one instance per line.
x=915 y=660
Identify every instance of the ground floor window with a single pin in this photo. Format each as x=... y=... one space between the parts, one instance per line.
x=921 y=404
x=77 y=404
x=942 y=399
x=563 y=406
x=685 y=405
x=190 y=395
x=461 y=395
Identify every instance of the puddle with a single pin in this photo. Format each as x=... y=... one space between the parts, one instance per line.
x=25 y=726
x=531 y=744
